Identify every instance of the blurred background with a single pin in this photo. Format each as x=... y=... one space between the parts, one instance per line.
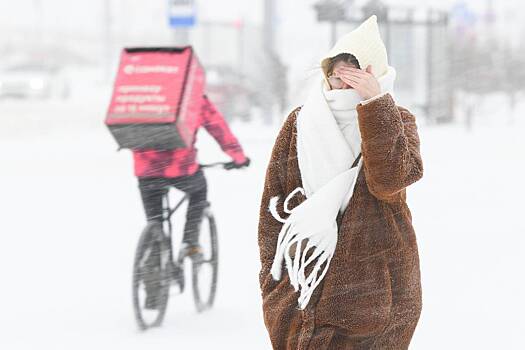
x=70 y=212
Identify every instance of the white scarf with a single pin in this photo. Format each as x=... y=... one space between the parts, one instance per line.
x=328 y=143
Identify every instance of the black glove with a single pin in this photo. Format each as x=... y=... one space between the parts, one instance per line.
x=233 y=165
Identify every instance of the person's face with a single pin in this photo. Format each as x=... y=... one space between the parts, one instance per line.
x=333 y=79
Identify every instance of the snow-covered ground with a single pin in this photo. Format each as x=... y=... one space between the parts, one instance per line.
x=70 y=216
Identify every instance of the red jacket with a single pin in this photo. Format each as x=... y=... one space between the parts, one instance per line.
x=182 y=161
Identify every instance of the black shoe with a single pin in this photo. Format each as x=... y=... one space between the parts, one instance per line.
x=152 y=301
x=191 y=250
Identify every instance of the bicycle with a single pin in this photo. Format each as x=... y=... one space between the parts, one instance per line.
x=156 y=267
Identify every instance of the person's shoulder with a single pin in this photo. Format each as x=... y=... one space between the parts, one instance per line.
x=288 y=125
x=405 y=113
x=403 y=110
x=296 y=110
x=292 y=116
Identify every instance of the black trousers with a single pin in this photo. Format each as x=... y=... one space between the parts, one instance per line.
x=153 y=188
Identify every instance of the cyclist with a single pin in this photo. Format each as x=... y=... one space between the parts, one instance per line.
x=157 y=170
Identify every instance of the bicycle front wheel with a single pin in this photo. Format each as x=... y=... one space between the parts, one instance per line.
x=205 y=267
x=151 y=280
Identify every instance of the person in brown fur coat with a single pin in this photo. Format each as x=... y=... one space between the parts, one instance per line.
x=339 y=258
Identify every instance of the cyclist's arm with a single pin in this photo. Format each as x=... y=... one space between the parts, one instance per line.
x=215 y=124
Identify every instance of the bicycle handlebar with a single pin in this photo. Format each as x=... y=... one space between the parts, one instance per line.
x=227 y=165
x=213 y=165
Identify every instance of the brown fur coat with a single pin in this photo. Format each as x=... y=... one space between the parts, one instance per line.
x=371 y=296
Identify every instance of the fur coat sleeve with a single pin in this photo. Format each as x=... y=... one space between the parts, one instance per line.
x=390 y=148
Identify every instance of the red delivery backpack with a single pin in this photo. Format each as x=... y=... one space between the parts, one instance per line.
x=157 y=98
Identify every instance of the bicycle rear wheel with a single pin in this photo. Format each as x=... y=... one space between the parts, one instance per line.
x=205 y=267
x=151 y=276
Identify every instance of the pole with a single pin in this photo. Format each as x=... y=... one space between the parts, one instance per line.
x=181 y=36
x=181 y=10
x=333 y=35
x=107 y=39
x=240 y=47
x=269 y=47
x=388 y=30
x=430 y=101
x=269 y=25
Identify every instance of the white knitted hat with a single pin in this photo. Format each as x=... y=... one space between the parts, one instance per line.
x=365 y=44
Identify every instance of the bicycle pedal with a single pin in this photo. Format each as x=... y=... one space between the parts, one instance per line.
x=179 y=288
x=177 y=277
x=197 y=258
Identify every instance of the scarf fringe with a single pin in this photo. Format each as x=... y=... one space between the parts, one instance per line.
x=323 y=245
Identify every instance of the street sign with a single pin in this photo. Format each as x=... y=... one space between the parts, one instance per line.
x=462 y=15
x=330 y=11
x=181 y=13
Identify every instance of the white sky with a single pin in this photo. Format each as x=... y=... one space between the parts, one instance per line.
x=300 y=38
x=84 y=14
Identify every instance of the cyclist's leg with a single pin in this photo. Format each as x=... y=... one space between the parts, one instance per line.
x=196 y=187
x=151 y=190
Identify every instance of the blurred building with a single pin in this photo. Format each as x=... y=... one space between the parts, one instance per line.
x=260 y=54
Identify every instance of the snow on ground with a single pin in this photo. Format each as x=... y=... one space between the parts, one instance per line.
x=71 y=215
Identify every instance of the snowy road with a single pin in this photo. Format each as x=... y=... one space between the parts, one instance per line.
x=71 y=215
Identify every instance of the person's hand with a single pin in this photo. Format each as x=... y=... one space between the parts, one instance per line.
x=363 y=81
x=233 y=165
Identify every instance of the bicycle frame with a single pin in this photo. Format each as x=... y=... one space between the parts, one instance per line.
x=168 y=211
x=167 y=270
